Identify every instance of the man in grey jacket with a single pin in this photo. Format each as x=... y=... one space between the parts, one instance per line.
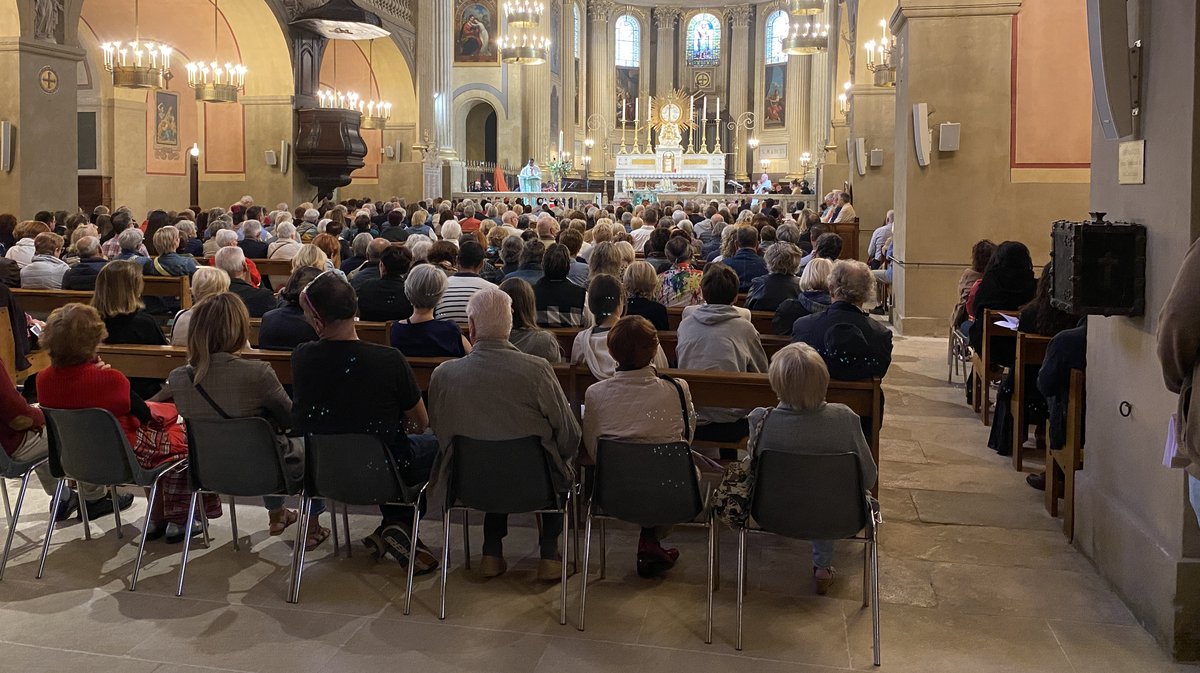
x=531 y=404
x=715 y=336
x=1179 y=353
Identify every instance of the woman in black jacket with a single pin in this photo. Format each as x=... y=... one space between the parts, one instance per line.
x=1007 y=285
x=769 y=291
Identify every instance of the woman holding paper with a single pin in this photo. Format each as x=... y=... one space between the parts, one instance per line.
x=1007 y=285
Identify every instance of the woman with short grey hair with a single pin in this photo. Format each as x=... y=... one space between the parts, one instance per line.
x=780 y=284
x=421 y=335
x=804 y=423
x=130 y=240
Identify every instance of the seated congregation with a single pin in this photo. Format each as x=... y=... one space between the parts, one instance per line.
x=391 y=325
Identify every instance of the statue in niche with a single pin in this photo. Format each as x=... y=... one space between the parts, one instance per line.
x=46 y=15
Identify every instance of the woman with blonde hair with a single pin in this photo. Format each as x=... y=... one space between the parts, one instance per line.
x=641 y=290
x=813 y=298
x=310 y=255
x=218 y=383
x=605 y=259
x=22 y=251
x=78 y=379
x=207 y=281
x=118 y=300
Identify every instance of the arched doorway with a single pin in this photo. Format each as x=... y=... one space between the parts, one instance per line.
x=480 y=139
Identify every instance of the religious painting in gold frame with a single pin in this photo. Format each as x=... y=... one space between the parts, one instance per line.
x=476 y=31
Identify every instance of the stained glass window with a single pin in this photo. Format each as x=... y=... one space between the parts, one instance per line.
x=629 y=42
x=777 y=29
x=704 y=40
x=575 y=10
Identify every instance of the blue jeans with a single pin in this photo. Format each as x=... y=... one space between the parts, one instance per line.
x=822 y=553
x=1194 y=493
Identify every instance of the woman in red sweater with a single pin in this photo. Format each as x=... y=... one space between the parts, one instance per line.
x=78 y=379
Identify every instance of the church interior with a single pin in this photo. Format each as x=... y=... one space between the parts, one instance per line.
x=983 y=213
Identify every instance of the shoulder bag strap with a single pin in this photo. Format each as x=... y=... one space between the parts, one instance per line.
x=203 y=393
x=758 y=432
x=687 y=418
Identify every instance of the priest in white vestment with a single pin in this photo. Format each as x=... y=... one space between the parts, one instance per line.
x=531 y=178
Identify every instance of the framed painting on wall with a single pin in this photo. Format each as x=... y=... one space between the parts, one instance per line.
x=476 y=29
x=165 y=134
x=628 y=90
x=775 y=100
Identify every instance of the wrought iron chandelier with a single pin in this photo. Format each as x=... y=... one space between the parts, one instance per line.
x=214 y=82
x=138 y=64
x=522 y=45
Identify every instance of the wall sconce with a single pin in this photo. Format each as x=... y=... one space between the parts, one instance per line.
x=844 y=99
x=753 y=143
x=195 y=150
x=764 y=163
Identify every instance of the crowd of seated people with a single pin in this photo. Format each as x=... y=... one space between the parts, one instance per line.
x=481 y=283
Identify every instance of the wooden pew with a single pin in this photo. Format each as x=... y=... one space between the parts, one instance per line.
x=760 y=319
x=668 y=340
x=273 y=267
x=708 y=388
x=45 y=301
x=374 y=332
x=1061 y=465
x=1031 y=350
x=981 y=364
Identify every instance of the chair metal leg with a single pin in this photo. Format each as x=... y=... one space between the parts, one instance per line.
x=116 y=501
x=292 y=567
x=333 y=526
x=708 y=614
x=466 y=526
x=741 y=584
x=298 y=551
x=87 y=525
x=8 y=514
x=187 y=541
x=716 y=582
x=576 y=505
x=875 y=598
x=346 y=526
x=562 y=608
x=587 y=551
x=603 y=549
x=866 y=574
x=412 y=554
x=446 y=558
x=137 y=563
x=15 y=516
x=233 y=523
x=50 y=526
x=203 y=527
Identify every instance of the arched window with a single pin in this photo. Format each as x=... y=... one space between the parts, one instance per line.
x=575 y=10
x=629 y=42
x=704 y=40
x=777 y=29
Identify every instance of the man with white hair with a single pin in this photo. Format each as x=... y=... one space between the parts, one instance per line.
x=307 y=229
x=232 y=261
x=547 y=229
x=533 y=405
x=228 y=238
x=854 y=346
x=82 y=276
x=251 y=242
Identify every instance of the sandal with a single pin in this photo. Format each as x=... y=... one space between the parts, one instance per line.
x=280 y=520
x=315 y=537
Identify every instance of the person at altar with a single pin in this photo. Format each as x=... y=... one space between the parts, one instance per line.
x=530 y=177
x=764 y=185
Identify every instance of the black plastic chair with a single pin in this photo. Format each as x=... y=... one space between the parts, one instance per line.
x=237 y=457
x=501 y=477
x=15 y=469
x=89 y=445
x=354 y=469
x=814 y=497
x=649 y=485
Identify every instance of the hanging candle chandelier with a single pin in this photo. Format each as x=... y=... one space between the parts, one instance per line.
x=805 y=38
x=214 y=82
x=803 y=7
x=377 y=112
x=137 y=64
x=335 y=98
x=522 y=45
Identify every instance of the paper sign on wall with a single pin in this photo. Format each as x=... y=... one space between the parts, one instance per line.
x=1131 y=163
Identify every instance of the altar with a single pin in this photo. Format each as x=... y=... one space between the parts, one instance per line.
x=665 y=163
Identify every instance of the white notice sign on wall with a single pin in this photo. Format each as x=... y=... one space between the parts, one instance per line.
x=1131 y=163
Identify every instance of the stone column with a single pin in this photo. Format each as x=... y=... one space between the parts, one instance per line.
x=601 y=83
x=440 y=78
x=665 y=20
x=739 y=84
x=40 y=102
x=799 y=81
x=535 y=108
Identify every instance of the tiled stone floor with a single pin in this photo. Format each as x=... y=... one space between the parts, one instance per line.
x=976 y=577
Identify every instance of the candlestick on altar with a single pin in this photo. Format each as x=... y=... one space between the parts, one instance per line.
x=624 y=129
x=692 y=125
x=637 y=148
x=649 y=122
x=704 y=128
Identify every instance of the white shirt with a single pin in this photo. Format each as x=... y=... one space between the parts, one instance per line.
x=640 y=236
x=846 y=214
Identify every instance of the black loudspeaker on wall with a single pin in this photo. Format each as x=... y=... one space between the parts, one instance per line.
x=1116 y=66
x=1099 y=267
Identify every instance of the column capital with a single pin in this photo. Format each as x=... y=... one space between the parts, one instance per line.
x=740 y=15
x=600 y=9
x=665 y=18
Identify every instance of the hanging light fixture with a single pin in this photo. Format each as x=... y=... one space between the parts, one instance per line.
x=881 y=58
x=342 y=20
x=213 y=82
x=377 y=113
x=522 y=45
x=137 y=64
x=806 y=37
x=336 y=99
x=805 y=7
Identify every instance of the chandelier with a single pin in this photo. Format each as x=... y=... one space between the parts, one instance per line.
x=881 y=58
x=336 y=99
x=377 y=113
x=213 y=82
x=806 y=38
x=522 y=45
x=137 y=64
x=804 y=7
